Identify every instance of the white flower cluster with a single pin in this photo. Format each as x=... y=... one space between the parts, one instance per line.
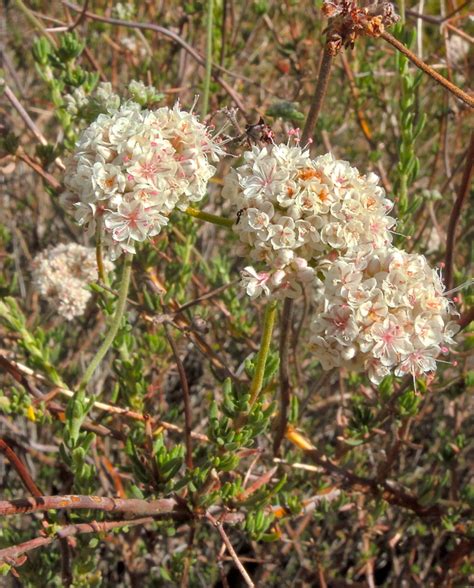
x=132 y=167
x=382 y=313
x=294 y=211
x=61 y=274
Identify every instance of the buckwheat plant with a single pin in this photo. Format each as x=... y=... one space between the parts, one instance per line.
x=181 y=428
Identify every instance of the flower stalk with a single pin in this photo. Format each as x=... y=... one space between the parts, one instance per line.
x=319 y=93
x=258 y=377
x=99 y=254
x=115 y=325
x=208 y=70
x=210 y=218
x=285 y=330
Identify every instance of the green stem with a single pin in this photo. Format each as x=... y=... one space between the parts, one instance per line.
x=285 y=332
x=115 y=325
x=268 y=323
x=207 y=75
x=210 y=218
x=403 y=194
x=401 y=7
x=34 y=22
x=99 y=250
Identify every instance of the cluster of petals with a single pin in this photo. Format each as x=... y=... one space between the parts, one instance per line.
x=61 y=275
x=294 y=211
x=132 y=167
x=382 y=314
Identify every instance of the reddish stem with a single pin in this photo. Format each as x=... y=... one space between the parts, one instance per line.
x=456 y=213
x=16 y=551
x=429 y=70
x=163 y=506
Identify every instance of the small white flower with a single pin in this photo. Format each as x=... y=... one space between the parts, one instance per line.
x=134 y=221
x=255 y=283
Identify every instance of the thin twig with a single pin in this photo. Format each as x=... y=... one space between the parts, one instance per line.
x=15 y=551
x=223 y=32
x=31 y=486
x=35 y=22
x=28 y=120
x=469 y=100
x=285 y=331
x=319 y=93
x=24 y=115
x=186 y=398
x=206 y=296
x=37 y=168
x=109 y=408
x=235 y=558
x=20 y=468
x=188 y=558
x=80 y=18
x=208 y=67
x=389 y=491
x=456 y=213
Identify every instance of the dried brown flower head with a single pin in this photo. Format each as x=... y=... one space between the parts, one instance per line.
x=349 y=21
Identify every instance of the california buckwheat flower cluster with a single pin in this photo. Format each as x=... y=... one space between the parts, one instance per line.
x=132 y=167
x=61 y=274
x=382 y=313
x=293 y=211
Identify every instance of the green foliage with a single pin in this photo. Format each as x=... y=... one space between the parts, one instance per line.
x=285 y=110
x=257 y=523
x=33 y=344
x=60 y=71
x=412 y=122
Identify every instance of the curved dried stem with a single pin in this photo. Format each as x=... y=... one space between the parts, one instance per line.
x=186 y=397
x=469 y=100
x=285 y=331
x=16 y=551
x=319 y=94
x=456 y=213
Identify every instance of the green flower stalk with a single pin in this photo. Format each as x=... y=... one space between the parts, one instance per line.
x=268 y=324
x=115 y=325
